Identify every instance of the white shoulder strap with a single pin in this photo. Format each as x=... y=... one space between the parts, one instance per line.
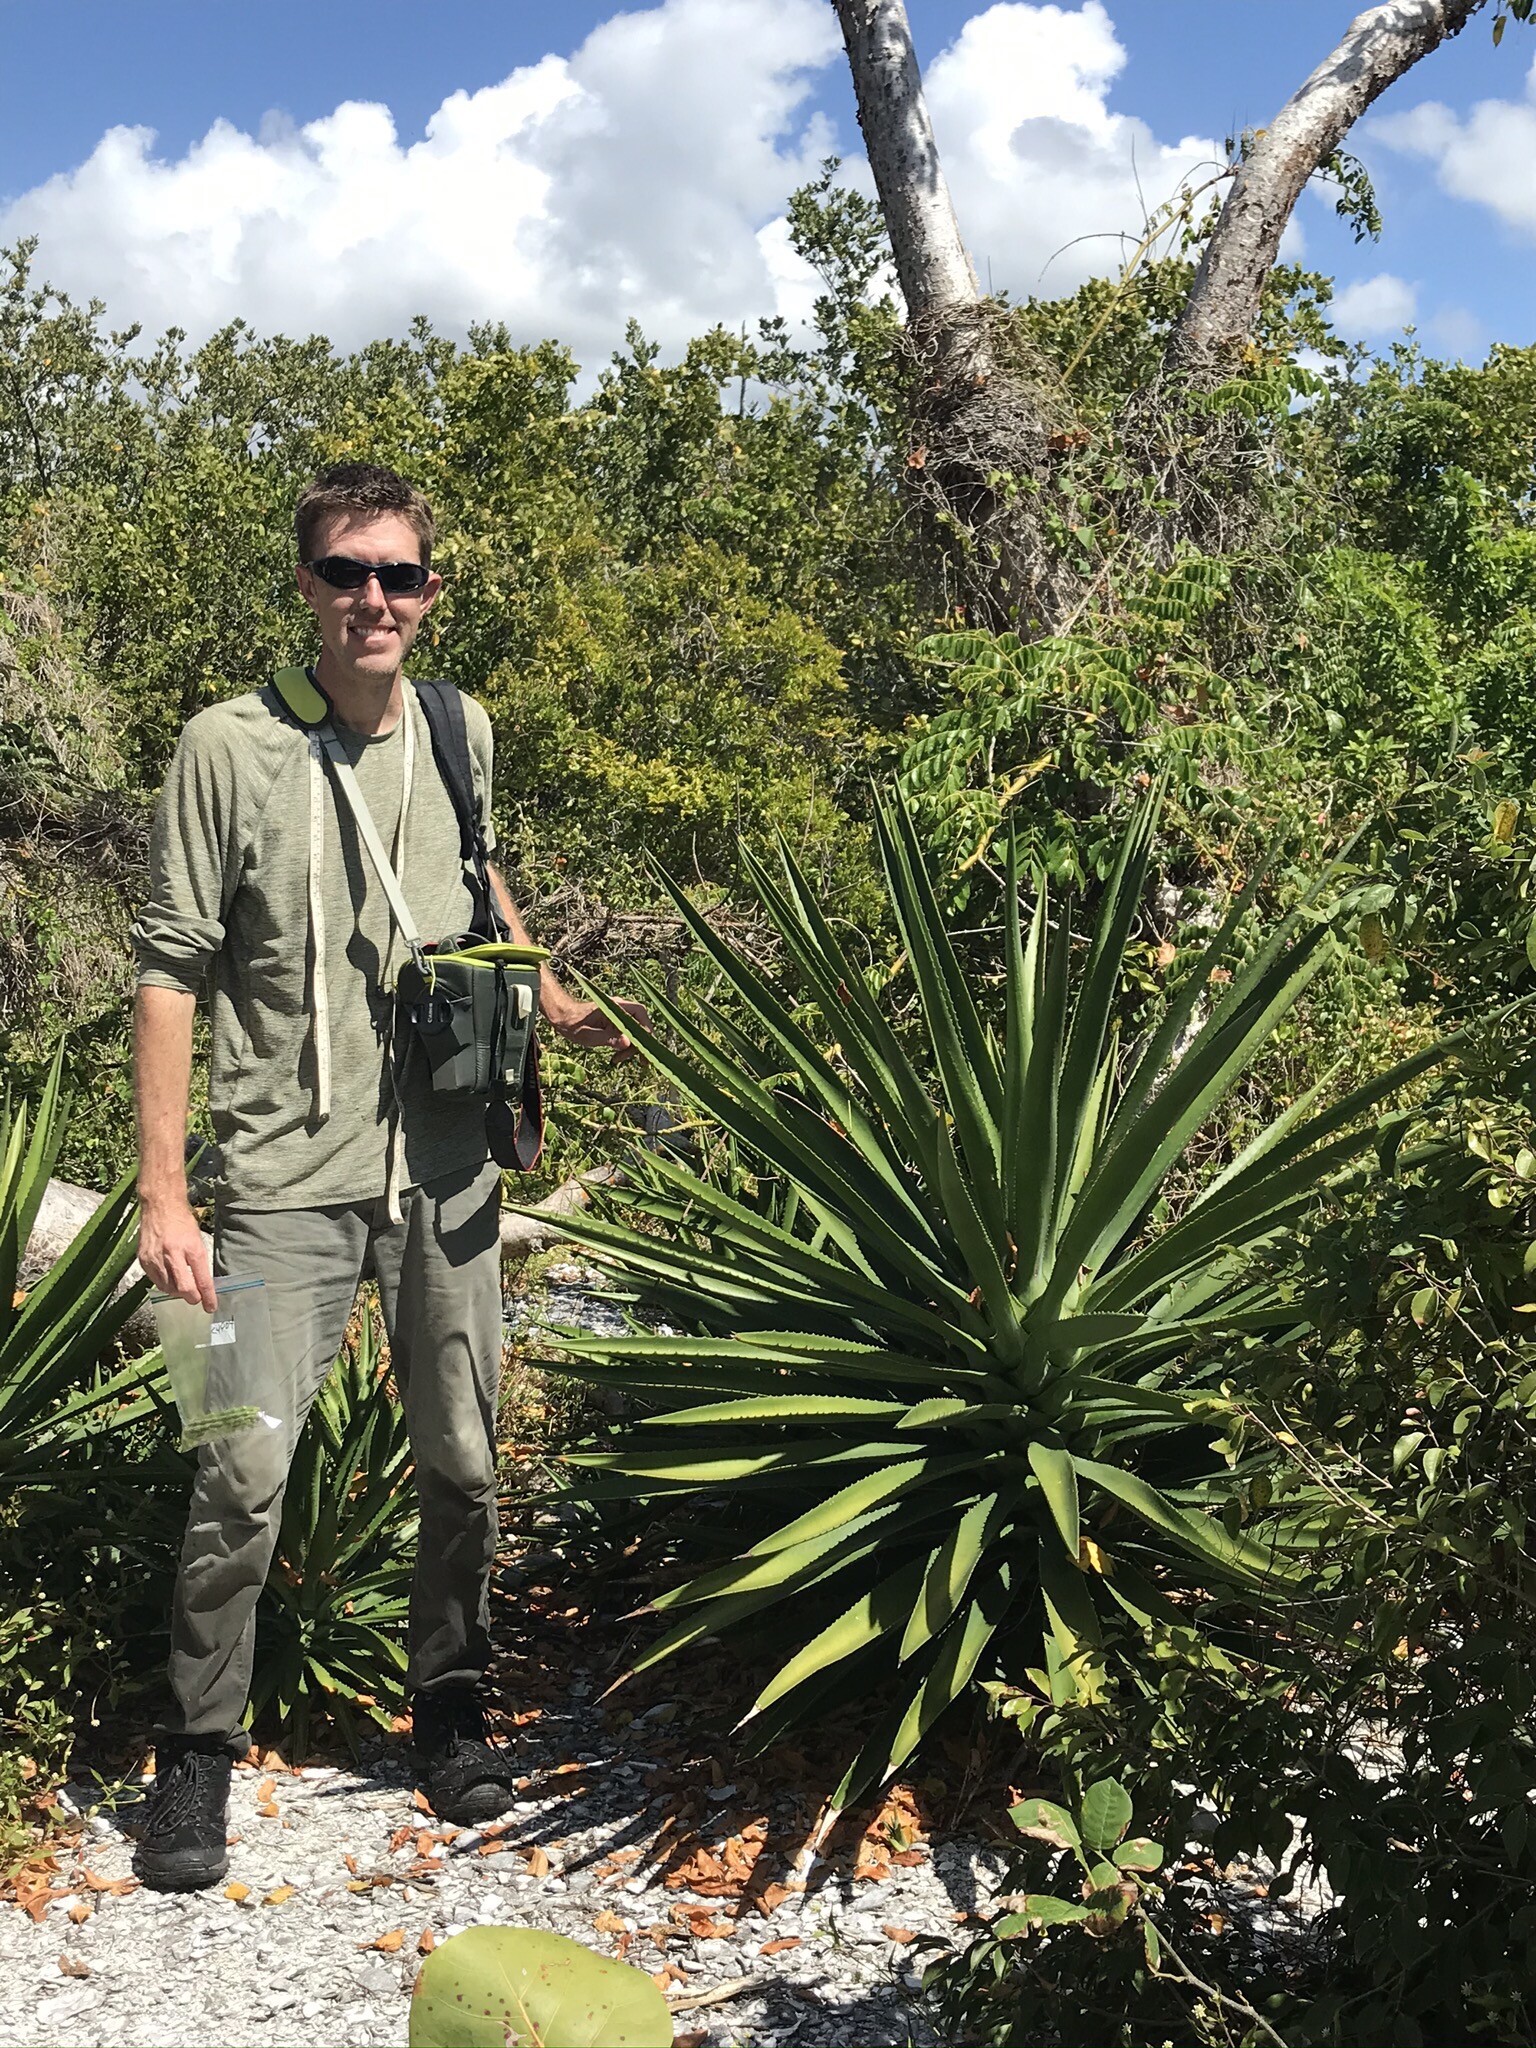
x=368 y=833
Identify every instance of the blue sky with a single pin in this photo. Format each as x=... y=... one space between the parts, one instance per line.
x=636 y=168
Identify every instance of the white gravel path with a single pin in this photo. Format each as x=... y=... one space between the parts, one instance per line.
x=288 y=1959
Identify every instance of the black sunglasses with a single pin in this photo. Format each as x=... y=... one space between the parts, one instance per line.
x=396 y=579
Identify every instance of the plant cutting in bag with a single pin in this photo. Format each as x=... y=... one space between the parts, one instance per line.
x=221 y=1365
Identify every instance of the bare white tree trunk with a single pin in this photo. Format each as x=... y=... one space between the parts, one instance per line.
x=1381 y=44
x=934 y=270
x=976 y=423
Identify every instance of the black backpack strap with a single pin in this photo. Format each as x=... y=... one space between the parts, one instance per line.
x=443 y=709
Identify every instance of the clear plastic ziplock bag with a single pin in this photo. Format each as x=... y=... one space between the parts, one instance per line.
x=221 y=1366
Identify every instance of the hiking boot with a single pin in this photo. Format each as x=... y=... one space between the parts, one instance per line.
x=467 y=1777
x=182 y=1845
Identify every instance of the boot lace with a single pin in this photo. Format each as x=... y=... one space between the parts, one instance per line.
x=194 y=1787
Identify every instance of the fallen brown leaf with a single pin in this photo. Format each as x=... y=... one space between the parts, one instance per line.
x=267 y=1808
x=770 y=1898
x=608 y=1923
x=238 y=1892
x=80 y=1912
x=492 y=1848
x=267 y=1789
x=73 y=1967
x=279 y=1895
x=426 y=1943
x=777 y=1948
x=703 y=1928
x=421 y=1802
x=899 y=1934
x=538 y=1862
x=351 y=1862
x=387 y=1944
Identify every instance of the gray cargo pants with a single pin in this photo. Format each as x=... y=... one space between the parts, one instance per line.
x=439 y=1275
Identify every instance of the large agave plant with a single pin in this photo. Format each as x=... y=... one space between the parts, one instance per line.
x=951 y=1332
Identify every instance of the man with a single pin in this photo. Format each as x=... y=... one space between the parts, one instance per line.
x=337 y=1164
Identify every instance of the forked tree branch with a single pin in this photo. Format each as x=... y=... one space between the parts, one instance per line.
x=1381 y=44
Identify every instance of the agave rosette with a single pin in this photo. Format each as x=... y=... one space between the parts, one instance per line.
x=948 y=1358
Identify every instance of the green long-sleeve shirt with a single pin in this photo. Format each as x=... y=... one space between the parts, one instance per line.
x=229 y=917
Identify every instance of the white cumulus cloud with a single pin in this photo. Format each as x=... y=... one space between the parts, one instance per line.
x=1382 y=304
x=631 y=179
x=645 y=176
x=1485 y=155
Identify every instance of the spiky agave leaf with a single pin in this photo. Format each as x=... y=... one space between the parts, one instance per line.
x=959 y=1355
x=57 y=1387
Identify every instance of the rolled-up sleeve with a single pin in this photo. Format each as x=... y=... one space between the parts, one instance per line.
x=181 y=926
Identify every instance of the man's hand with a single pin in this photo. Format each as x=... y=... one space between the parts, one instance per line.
x=581 y=1023
x=585 y=1024
x=173 y=1253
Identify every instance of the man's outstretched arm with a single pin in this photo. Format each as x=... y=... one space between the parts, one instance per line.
x=583 y=1023
x=172 y=1250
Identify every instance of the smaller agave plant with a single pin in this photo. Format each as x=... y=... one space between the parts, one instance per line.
x=936 y=1370
x=332 y=1621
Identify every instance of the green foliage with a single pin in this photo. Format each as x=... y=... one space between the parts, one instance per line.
x=332 y=1616
x=1086 y=1962
x=652 y=589
x=520 y=1987
x=1037 y=724
x=965 y=1329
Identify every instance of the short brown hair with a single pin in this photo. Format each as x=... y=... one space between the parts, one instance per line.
x=361 y=487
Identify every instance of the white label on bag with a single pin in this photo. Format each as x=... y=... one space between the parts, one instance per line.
x=221 y=1333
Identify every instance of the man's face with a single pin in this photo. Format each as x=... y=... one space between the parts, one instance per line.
x=368 y=632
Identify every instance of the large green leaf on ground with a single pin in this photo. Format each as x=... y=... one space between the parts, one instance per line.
x=522 y=1987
